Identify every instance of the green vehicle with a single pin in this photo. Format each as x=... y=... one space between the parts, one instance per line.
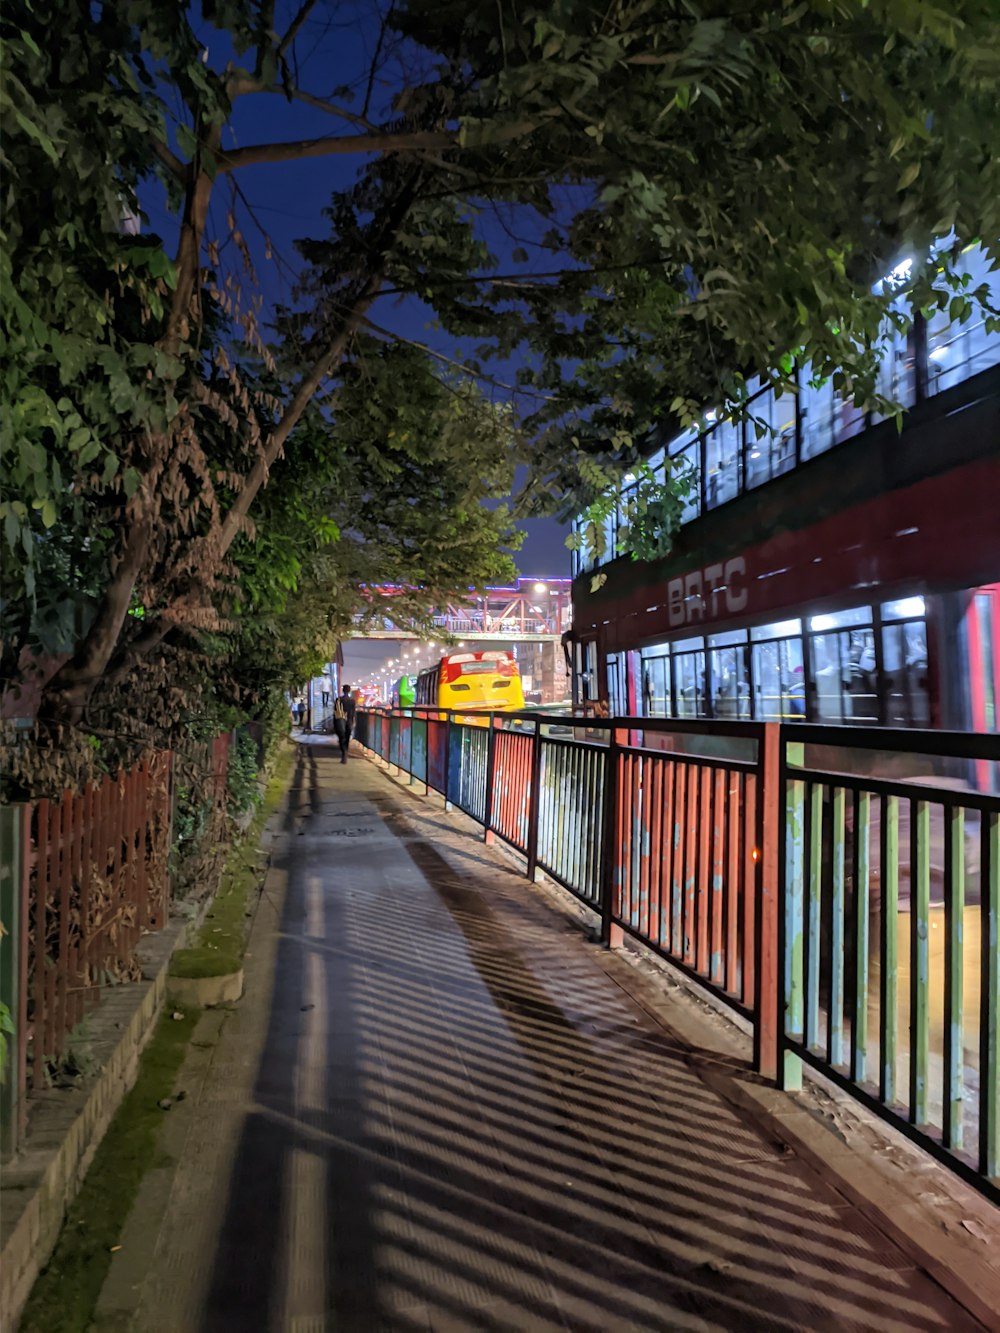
x=404 y=692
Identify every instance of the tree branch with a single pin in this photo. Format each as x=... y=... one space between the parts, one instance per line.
x=255 y=154
x=173 y=163
x=304 y=11
x=412 y=141
x=447 y=360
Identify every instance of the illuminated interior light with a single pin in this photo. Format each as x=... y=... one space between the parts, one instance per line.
x=939 y=353
x=820 y=623
x=909 y=608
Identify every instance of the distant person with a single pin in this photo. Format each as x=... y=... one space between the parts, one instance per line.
x=343 y=720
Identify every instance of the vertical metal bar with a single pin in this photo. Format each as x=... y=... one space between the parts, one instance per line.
x=534 y=783
x=862 y=883
x=77 y=994
x=630 y=878
x=888 y=1010
x=920 y=903
x=954 y=980
x=38 y=961
x=646 y=847
x=677 y=875
x=749 y=887
x=669 y=854
x=791 y=917
x=732 y=891
x=13 y=945
x=23 y=981
x=768 y=1028
x=814 y=903
x=716 y=954
x=656 y=849
x=835 y=1018
x=65 y=877
x=53 y=1036
x=609 y=867
x=989 y=1054
x=489 y=778
x=702 y=892
x=690 y=926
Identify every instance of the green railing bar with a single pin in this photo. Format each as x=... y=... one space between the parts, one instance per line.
x=835 y=1038
x=862 y=888
x=814 y=909
x=795 y=837
x=888 y=1010
x=920 y=909
x=989 y=1057
x=954 y=981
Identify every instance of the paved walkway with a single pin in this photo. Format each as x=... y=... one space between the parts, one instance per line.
x=436 y=1109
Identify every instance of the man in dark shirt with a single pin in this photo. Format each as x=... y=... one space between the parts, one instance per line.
x=343 y=720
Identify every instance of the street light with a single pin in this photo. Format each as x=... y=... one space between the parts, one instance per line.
x=541 y=587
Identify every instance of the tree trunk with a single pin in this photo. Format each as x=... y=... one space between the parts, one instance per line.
x=65 y=697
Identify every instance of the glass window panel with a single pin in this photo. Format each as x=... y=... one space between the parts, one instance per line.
x=781 y=630
x=779 y=683
x=957 y=351
x=689 y=684
x=686 y=463
x=904 y=668
x=729 y=637
x=588 y=674
x=905 y=608
x=617 y=695
x=722 y=463
x=656 y=686
x=730 y=682
x=897 y=369
x=774 y=451
x=816 y=412
x=845 y=676
x=859 y=615
x=984 y=615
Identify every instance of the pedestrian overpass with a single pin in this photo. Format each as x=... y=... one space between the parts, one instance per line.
x=529 y=610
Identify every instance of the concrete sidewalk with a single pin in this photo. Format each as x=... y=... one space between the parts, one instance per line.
x=435 y=1109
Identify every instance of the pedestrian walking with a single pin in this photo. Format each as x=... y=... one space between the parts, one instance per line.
x=343 y=720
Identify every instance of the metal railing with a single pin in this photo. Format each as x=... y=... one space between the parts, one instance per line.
x=838 y=886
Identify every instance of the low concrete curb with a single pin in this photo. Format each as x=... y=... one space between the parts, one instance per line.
x=66 y=1127
x=206 y=992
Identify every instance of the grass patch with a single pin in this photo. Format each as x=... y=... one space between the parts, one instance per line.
x=197 y=963
x=219 y=947
x=65 y=1295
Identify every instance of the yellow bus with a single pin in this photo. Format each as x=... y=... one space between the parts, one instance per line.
x=481 y=682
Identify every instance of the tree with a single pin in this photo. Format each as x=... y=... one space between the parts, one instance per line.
x=691 y=189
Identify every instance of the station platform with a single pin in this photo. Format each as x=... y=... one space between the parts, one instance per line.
x=438 y=1107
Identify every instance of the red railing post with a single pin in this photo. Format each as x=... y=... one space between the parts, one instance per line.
x=768 y=1006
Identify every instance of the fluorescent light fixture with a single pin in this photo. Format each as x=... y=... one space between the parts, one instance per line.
x=939 y=353
x=822 y=622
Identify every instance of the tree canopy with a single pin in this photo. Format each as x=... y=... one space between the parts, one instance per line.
x=611 y=216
